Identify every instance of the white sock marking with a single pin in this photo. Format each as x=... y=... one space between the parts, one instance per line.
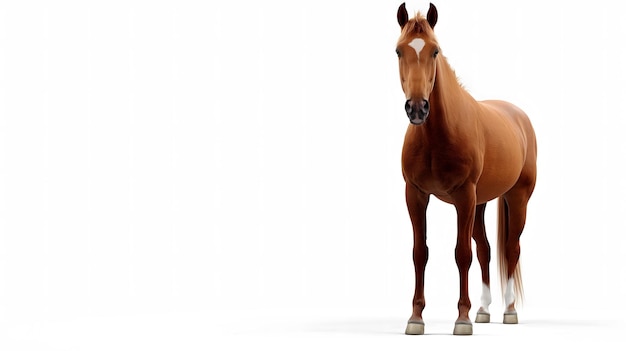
x=509 y=296
x=485 y=299
x=417 y=44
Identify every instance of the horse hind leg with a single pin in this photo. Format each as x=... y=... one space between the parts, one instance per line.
x=512 y=216
x=483 y=251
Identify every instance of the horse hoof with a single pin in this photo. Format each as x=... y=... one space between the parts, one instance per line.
x=463 y=328
x=415 y=328
x=482 y=317
x=510 y=318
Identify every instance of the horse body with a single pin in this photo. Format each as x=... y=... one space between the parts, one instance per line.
x=465 y=153
x=486 y=143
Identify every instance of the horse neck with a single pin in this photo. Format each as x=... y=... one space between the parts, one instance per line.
x=451 y=104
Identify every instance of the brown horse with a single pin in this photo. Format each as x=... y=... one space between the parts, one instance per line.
x=466 y=153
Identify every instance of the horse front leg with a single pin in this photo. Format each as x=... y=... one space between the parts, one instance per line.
x=416 y=202
x=465 y=203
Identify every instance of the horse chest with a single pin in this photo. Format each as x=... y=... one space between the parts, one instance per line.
x=436 y=172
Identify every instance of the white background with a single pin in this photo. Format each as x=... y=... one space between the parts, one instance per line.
x=202 y=175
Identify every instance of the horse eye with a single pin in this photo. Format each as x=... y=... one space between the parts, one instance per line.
x=398 y=52
x=436 y=53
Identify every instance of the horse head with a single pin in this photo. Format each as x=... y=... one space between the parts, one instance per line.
x=417 y=51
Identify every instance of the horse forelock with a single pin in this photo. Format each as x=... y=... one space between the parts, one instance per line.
x=417 y=25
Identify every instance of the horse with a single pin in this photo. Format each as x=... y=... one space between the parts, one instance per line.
x=465 y=153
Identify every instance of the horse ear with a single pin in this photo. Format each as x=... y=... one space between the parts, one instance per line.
x=403 y=16
x=432 y=16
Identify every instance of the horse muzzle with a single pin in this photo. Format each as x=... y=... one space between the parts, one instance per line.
x=417 y=111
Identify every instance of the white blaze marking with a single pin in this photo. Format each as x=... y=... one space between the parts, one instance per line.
x=417 y=44
x=485 y=299
x=509 y=296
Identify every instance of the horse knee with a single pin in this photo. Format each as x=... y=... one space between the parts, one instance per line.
x=420 y=255
x=463 y=256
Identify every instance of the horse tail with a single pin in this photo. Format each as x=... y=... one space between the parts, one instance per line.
x=503 y=233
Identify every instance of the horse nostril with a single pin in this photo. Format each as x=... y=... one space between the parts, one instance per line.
x=407 y=107
x=423 y=108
